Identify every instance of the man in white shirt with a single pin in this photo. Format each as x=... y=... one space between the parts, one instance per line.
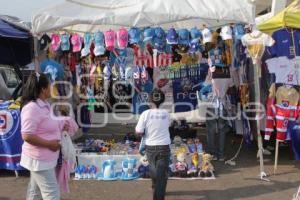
x=154 y=124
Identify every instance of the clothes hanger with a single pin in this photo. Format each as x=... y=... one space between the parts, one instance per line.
x=255 y=32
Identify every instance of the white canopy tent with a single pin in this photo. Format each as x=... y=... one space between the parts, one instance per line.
x=92 y=15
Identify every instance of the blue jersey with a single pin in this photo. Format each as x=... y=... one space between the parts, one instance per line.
x=140 y=99
x=284 y=43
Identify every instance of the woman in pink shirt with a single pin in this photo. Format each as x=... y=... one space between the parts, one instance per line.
x=41 y=133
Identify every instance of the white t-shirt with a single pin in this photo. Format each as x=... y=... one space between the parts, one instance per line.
x=207 y=35
x=36 y=165
x=286 y=70
x=256 y=43
x=226 y=33
x=155 y=123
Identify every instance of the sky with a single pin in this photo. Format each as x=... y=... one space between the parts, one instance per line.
x=24 y=9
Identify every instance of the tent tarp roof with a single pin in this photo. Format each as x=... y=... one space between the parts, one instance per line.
x=93 y=15
x=288 y=17
x=8 y=30
x=16 y=44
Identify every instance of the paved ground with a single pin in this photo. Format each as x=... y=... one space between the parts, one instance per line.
x=238 y=182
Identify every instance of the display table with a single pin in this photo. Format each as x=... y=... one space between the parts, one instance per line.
x=96 y=159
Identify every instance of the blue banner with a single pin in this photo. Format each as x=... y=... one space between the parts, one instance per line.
x=294 y=132
x=10 y=140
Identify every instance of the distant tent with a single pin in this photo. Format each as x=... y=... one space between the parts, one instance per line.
x=16 y=42
x=288 y=17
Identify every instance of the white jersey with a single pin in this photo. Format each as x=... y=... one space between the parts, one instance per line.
x=286 y=70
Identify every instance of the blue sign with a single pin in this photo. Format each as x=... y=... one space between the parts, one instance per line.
x=10 y=140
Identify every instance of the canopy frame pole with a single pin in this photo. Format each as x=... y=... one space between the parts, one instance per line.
x=257 y=76
x=36 y=54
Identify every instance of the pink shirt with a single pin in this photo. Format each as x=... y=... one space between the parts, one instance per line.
x=36 y=119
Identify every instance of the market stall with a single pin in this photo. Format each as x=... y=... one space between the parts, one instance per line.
x=16 y=48
x=127 y=48
x=282 y=63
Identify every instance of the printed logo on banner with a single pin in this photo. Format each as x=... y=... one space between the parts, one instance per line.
x=3 y=121
x=9 y=123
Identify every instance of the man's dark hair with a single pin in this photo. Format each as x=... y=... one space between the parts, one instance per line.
x=157 y=97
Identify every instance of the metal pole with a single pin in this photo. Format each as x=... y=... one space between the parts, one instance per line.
x=276 y=156
x=257 y=117
x=36 y=55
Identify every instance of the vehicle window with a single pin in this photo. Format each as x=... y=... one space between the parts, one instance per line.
x=11 y=79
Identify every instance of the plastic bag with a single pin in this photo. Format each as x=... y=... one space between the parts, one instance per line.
x=67 y=148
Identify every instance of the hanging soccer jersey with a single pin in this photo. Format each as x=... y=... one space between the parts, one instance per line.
x=256 y=43
x=286 y=70
x=140 y=101
x=143 y=57
x=287 y=43
x=282 y=107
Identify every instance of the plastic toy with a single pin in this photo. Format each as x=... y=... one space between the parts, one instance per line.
x=207 y=168
x=129 y=171
x=108 y=171
x=181 y=165
x=177 y=141
x=92 y=172
x=191 y=146
x=193 y=171
x=144 y=170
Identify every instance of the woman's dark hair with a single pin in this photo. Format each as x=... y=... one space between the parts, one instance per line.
x=157 y=97
x=33 y=87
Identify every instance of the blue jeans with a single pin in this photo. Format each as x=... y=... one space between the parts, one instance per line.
x=216 y=134
x=158 y=157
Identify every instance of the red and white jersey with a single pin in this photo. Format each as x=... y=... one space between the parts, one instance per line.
x=286 y=70
x=143 y=57
x=162 y=59
x=282 y=107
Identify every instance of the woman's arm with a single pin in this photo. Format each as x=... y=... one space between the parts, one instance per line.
x=70 y=125
x=35 y=140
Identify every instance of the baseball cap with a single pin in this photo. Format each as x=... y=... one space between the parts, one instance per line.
x=160 y=33
x=99 y=38
x=238 y=31
x=134 y=35
x=207 y=35
x=226 y=33
x=149 y=34
x=195 y=34
x=194 y=46
x=99 y=44
x=44 y=42
x=122 y=37
x=87 y=40
x=85 y=52
x=172 y=36
x=76 y=42
x=65 y=42
x=159 y=44
x=109 y=39
x=55 y=41
x=184 y=36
